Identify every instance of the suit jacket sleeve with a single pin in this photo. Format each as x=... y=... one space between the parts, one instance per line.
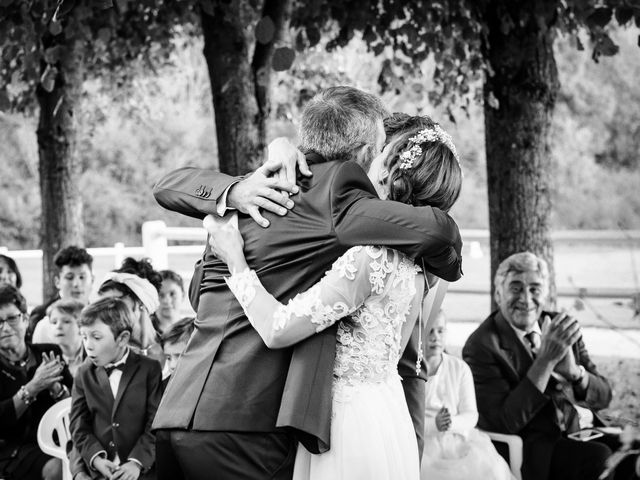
x=82 y=434
x=145 y=448
x=502 y=408
x=425 y=234
x=191 y=191
x=598 y=392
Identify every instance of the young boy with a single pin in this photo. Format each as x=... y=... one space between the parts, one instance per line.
x=174 y=342
x=115 y=396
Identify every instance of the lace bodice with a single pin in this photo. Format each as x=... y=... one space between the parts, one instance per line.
x=372 y=286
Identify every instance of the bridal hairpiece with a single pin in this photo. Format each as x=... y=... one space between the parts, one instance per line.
x=434 y=133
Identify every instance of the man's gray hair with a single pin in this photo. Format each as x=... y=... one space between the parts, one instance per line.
x=340 y=120
x=519 y=263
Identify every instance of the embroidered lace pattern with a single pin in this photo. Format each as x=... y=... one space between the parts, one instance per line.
x=380 y=288
x=243 y=284
x=368 y=346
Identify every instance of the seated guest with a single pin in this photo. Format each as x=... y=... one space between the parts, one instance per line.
x=174 y=342
x=73 y=278
x=453 y=448
x=137 y=284
x=32 y=379
x=115 y=397
x=534 y=378
x=171 y=296
x=64 y=315
x=9 y=272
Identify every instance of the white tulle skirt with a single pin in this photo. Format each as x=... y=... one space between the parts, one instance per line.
x=450 y=456
x=372 y=437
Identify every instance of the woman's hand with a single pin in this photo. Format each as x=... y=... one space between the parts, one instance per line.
x=443 y=420
x=46 y=375
x=226 y=241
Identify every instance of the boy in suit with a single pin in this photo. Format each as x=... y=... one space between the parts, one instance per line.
x=115 y=396
x=174 y=342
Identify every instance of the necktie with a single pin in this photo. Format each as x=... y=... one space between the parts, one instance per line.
x=110 y=368
x=533 y=339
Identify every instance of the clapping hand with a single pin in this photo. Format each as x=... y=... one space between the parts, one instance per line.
x=127 y=471
x=46 y=375
x=443 y=420
x=226 y=241
x=558 y=335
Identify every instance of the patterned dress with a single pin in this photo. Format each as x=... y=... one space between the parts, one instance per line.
x=372 y=436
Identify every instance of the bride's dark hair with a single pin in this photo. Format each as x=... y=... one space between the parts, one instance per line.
x=435 y=176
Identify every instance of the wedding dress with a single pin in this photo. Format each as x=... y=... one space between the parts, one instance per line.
x=372 y=436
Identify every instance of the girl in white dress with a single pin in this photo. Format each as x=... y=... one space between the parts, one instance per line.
x=380 y=291
x=453 y=448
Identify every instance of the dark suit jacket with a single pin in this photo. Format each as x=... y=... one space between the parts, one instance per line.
x=227 y=379
x=508 y=402
x=121 y=425
x=14 y=431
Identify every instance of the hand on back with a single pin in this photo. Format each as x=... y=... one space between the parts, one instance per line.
x=270 y=186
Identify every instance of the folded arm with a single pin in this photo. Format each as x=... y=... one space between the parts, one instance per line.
x=502 y=408
x=425 y=234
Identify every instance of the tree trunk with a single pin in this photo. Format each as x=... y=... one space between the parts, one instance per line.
x=241 y=83
x=59 y=169
x=525 y=85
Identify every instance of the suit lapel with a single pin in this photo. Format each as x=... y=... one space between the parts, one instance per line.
x=103 y=381
x=131 y=366
x=512 y=347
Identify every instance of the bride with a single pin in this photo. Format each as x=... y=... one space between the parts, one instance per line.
x=377 y=291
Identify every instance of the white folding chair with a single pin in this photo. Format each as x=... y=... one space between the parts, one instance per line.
x=56 y=419
x=514 y=443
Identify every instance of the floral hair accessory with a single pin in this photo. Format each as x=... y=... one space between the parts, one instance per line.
x=434 y=133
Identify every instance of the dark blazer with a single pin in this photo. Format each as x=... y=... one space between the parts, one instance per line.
x=508 y=402
x=14 y=431
x=119 y=425
x=227 y=379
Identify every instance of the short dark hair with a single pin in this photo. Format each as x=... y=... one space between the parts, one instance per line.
x=179 y=332
x=172 y=276
x=111 y=311
x=69 y=307
x=10 y=295
x=143 y=269
x=73 y=257
x=13 y=266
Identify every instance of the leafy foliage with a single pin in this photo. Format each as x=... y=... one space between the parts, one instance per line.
x=405 y=33
x=41 y=39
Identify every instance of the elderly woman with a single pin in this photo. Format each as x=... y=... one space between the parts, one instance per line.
x=32 y=379
x=9 y=272
x=141 y=295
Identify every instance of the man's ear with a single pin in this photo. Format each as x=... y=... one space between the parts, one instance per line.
x=497 y=295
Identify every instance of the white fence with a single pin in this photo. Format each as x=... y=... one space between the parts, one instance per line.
x=609 y=268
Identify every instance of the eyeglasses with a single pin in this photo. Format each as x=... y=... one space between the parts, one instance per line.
x=12 y=320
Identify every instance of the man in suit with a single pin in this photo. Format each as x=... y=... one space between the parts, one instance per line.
x=224 y=407
x=534 y=378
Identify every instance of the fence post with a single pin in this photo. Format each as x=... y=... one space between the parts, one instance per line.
x=154 y=241
x=118 y=254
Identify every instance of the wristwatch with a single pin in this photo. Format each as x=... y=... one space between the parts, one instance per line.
x=580 y=377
